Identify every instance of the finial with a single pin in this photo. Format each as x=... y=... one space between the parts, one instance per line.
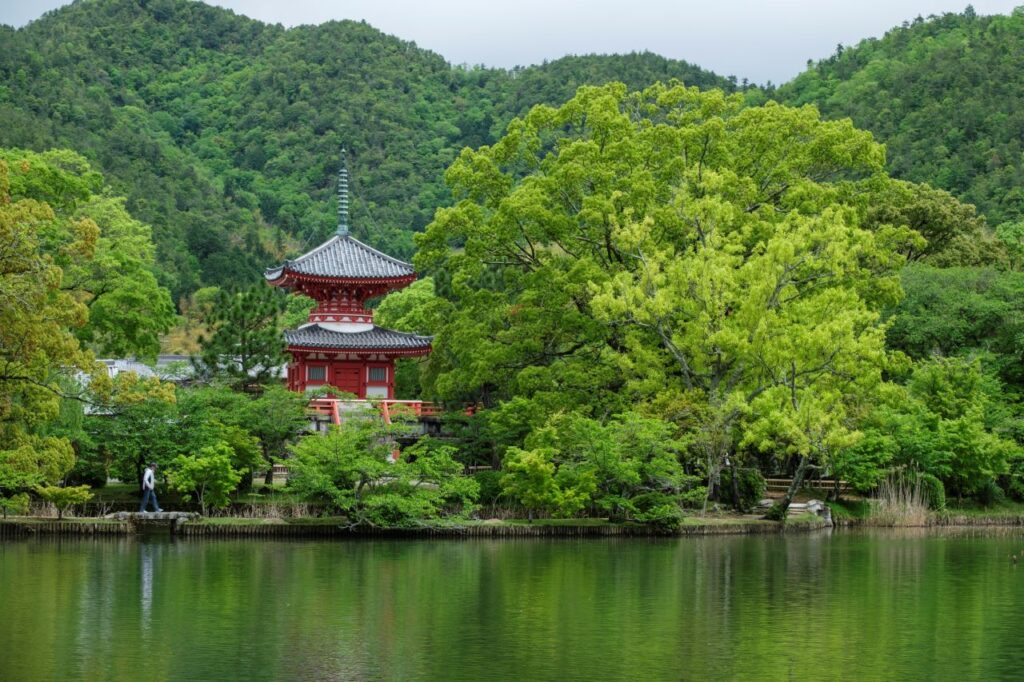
x=343 y=195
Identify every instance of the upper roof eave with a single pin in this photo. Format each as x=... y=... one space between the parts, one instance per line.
x=342 y=257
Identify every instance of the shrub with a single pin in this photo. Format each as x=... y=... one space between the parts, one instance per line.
x=490 y=486
x=659 y=510
x=991 y=494
x=933 y=491
x=63 y=498
x=751 y=486
x=15 y=504
x=208 y=476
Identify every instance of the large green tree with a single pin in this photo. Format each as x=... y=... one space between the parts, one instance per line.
x=126 y=310
x=671 y=242
x=38 y=320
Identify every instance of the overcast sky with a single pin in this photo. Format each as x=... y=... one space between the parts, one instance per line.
x=760 y=40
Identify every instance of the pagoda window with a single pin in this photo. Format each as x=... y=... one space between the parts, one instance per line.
x=316 y=373
x=378 y=375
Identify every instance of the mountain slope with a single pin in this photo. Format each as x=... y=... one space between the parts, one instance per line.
x=946 y=95
x=224 y=132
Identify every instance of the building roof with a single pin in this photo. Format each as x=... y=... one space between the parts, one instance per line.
x=377 y=338
x=344 y=257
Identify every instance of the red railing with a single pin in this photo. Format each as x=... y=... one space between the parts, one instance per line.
x=332 y=407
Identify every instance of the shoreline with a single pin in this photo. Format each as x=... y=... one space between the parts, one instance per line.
x=233 y=527
x=229 y=527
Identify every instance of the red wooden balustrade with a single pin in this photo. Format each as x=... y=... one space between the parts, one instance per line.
x=332 y=407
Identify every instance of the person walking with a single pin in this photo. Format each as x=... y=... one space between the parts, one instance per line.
x=148 y=485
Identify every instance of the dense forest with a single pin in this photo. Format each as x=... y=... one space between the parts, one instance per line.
x=224 y=133
x=944 y=94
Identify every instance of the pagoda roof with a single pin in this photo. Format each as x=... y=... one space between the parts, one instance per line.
x=377 y=338
x=343 y=257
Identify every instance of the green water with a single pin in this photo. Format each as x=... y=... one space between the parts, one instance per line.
x=850 y=606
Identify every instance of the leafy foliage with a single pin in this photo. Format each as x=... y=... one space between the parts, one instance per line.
x=245 y=345
x=224 y=132
x=720 y=272
x=350 y=470
x=944 y=93
x=64 y=497
x=208 y=475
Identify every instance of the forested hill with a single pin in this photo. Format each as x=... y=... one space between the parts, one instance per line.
x=946 y=95
x=224 y=132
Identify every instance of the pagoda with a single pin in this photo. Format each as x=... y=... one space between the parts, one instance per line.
x=340 y=346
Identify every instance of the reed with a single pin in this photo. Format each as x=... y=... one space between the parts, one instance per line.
x=900 y=501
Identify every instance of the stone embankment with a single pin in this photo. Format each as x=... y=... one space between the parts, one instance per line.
x=190 y=526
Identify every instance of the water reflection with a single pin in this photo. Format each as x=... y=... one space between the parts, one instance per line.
x=850 y=605
x=146 y=551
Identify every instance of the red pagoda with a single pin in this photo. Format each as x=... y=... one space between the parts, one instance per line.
x=340 y=346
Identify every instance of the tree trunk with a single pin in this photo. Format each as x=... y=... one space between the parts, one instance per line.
x=268 y=478
x=781 y=508
x=737 y=502
x=836 y=489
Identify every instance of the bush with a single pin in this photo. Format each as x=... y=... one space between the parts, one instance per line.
x=659 y=510
x=1014 y=487
x=208 y=476
x=751 y=486
x=490 y=486
x=991 y=494
x=90 y=472
x=64 y=498
x=933 y=491
x=15 y=504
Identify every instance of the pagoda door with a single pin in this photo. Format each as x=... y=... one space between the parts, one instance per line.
x=348 y=379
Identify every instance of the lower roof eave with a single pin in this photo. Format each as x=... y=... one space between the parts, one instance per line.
x=404 y=352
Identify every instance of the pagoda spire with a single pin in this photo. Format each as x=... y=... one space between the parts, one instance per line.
x=343 y=195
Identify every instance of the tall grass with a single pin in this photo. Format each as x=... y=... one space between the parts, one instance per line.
x=900 y=501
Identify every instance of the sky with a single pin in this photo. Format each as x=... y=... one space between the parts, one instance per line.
x=763 y=40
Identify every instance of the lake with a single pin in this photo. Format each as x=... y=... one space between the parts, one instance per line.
x=841 y=605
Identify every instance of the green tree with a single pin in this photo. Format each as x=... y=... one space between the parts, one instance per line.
x=244 y=345
x=17 y=504
x=38 y=320
x=135 y=426
x=1012 y=237
x=962 y=312
x=626 y=246
x=208 y=476
x=529 y=478
x=276 y=418
x=417 y=309
x=953 y=232
x=114 y=277
x=64 y=497
x=350 y=470
x=634 y=462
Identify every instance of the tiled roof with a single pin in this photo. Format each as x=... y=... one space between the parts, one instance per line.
x=315 y=336
x=344 y=256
